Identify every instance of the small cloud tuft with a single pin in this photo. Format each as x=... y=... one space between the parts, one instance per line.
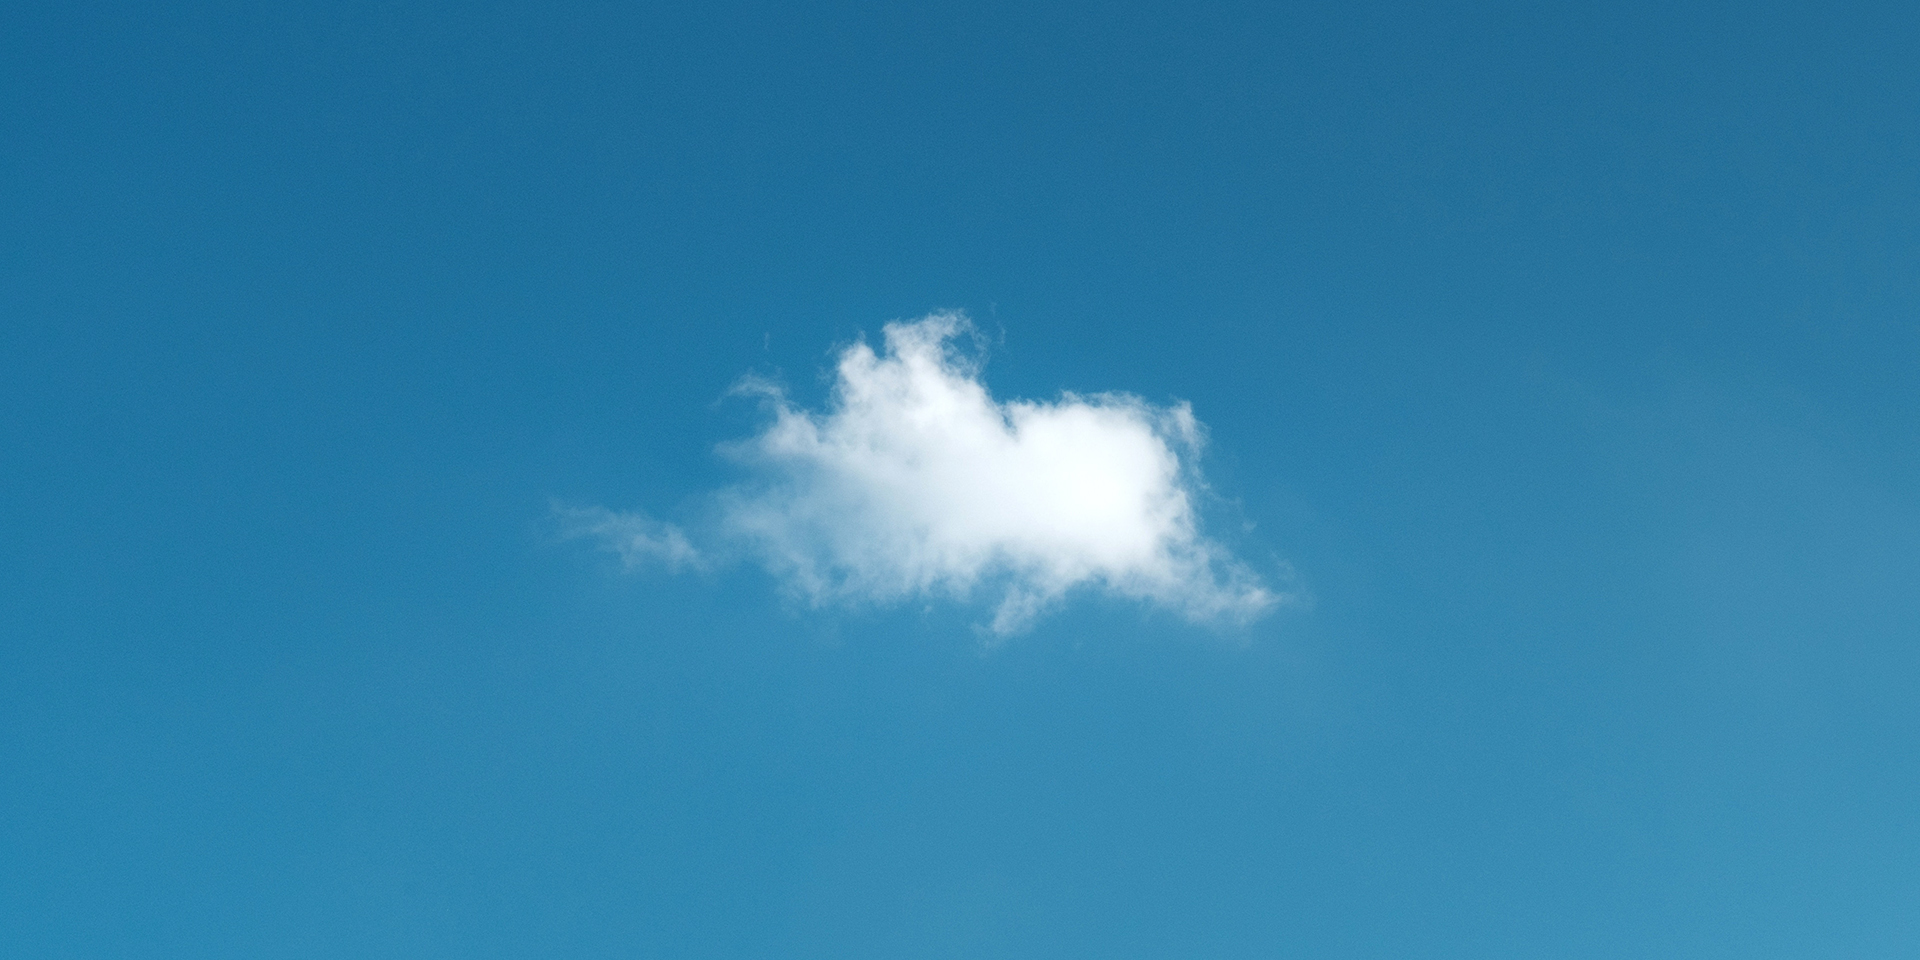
x=914 y=482
x=639 y=539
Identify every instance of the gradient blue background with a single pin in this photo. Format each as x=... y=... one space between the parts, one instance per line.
x=1569 y=355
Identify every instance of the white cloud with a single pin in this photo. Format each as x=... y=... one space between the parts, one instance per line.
x=914 y=482
x=638 y=538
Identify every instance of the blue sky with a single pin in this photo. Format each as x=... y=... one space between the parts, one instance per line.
x=1556 y=376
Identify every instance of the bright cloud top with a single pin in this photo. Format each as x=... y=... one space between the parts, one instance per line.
x=915 y=482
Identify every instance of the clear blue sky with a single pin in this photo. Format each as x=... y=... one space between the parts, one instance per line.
x=1566 y=354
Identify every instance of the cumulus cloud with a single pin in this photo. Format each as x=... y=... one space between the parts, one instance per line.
x=914 y=482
